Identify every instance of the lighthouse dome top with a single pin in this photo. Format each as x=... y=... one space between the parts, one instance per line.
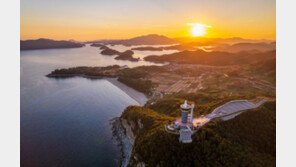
x=185 y=106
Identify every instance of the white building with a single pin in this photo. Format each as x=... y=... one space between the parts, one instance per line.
x=185 y=136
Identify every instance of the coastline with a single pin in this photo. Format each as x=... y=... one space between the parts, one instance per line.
x=123 y=139
x=137 y=96
x=120 y=129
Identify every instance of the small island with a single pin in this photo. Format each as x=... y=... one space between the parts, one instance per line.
x=127 y=55
x=109 y=52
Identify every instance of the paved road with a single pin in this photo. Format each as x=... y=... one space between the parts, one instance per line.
x=227 y=109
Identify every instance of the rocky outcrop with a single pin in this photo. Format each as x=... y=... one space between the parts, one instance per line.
x=124 y=133
x=125 y=141
x=129 y=129
x=122 y=130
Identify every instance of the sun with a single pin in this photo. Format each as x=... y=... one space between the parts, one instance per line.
x=197 y=29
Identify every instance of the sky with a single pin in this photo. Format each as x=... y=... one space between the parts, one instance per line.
x=118 y=19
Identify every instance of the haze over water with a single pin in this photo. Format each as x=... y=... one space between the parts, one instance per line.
x=65 y=122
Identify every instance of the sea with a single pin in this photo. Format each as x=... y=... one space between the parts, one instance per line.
x=66 y=122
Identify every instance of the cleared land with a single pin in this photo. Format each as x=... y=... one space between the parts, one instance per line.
x=178 y=78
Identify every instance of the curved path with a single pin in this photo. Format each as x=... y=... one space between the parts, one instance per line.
x=229 y=109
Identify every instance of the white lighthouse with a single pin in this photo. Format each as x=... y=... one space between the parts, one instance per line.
x=183 y=126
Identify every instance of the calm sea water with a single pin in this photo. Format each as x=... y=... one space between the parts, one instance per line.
x=65 y=122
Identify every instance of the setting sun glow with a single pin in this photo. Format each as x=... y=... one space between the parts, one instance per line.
x=198 y=30
x=113 y=19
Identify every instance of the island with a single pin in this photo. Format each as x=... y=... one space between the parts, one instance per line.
x=127 y=55
x=48 y=44
x=109 y=52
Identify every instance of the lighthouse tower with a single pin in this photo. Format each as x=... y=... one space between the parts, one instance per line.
x=184 y=125
x=185 y=108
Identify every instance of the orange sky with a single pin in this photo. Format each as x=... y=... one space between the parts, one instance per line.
x=115 y=19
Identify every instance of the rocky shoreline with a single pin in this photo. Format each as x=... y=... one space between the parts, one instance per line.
x=125 y=142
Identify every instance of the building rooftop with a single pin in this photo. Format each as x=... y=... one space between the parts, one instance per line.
x=185 y=105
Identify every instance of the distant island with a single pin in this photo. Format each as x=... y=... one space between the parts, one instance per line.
x=109 y=51
x=126 y=55
x=48 y=44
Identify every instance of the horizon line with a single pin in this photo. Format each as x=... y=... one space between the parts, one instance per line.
x=147 y=35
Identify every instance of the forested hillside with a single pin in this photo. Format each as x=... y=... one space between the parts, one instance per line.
x=247 y=140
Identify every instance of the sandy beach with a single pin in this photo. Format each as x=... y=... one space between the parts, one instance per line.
x=137 y=96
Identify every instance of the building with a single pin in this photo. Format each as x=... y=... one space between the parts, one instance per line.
x=185 y=136
x=183 y=126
